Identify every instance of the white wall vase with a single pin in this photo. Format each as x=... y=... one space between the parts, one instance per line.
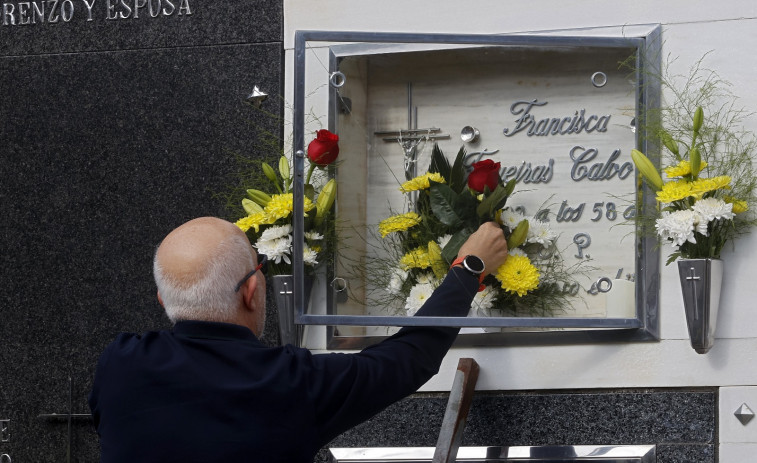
x=701 y=280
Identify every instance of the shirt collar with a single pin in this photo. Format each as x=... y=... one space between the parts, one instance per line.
x=213 y=330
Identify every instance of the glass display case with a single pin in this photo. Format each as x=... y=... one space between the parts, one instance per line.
x=555 y=117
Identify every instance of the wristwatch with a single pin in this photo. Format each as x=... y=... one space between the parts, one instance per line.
x=473 y=265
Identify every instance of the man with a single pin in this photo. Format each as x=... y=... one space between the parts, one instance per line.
x=209 y=391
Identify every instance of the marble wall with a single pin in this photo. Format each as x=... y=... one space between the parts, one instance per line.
x=117 y=124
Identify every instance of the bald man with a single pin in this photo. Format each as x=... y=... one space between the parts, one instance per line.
x=209 y=391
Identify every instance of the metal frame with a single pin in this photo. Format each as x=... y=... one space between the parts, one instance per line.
x=644 y=327
x=543 y=454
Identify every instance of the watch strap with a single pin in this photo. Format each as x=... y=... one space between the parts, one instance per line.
x=459 y=261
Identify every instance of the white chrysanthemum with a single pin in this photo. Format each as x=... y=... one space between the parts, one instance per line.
x=418 y=296
x=713 y=209
x=427 y=278
x=397 y=280
x=517 y=252
x=540 y=232
x=679 y=226
x=275 y=232
x=276 y=249
x=309 y=255
x=313 y=236
x=511 y=218
x=483 y=302
x=443 y=240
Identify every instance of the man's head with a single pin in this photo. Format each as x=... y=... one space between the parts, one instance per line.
x=197 y=267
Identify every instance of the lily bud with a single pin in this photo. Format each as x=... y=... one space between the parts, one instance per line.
x=251 y=207
x=325 y=201
x=698 y=118
x=519 y=235
x=695 y=161
x=669 y=143
x=284 y=168
x=259 y=197
x=270 y=173
x=647 y=169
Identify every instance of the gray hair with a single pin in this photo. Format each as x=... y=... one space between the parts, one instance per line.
x=210 y=296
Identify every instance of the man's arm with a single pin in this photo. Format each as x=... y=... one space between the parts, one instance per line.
x=360 y=385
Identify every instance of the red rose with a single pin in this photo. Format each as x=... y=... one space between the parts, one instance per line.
x=485 y=174
x=324 y=149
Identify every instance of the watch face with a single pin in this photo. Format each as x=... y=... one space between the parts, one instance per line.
x=474 y=264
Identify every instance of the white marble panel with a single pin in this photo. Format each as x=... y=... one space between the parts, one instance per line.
x=496 y=17
x=731 y=430
x=736 y=453
x=690 y=30
x=669 y=363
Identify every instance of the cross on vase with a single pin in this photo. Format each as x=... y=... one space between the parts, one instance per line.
x=693 y=277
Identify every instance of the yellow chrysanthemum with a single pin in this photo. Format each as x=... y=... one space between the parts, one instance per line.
x=739 y=206
x=399 y=222
x=680 y=189
x=705 y=185
x=281 y=206
x=417 y=258
x=674 y=191
x=252 y=221
x=421 y=182
x=518 y=275
x=682 y=169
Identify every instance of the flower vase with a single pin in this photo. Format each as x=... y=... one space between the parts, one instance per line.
x=701 y=280
x=283 y=295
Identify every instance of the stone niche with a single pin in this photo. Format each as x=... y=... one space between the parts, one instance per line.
x=559 y=114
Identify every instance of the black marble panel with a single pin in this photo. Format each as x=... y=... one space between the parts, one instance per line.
x=682 y=423
x=102 y=155
x=65 y=26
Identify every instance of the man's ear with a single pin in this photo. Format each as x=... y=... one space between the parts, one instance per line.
x=248 y=292
x=160 y=300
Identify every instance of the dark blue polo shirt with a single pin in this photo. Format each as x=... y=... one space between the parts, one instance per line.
x=211 y=392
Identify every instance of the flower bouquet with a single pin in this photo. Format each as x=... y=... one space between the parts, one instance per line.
x=698 y=213
x=268 y=223
x=450 y=204
x=706 y=198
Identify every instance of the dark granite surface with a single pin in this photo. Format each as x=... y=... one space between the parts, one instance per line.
x=103 y=154
x=682 y=423
x=211 y=22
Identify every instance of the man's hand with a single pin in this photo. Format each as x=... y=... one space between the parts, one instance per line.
x=488 y=243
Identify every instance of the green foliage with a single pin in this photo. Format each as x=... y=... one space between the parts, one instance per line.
x=458 y=175
x=439 y=163
x=494 y=202
x=444 y=203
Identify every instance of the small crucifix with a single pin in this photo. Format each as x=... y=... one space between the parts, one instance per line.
x=410 y=138
x=693 y=279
